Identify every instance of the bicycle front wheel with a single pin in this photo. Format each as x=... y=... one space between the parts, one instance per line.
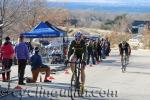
x=73 y=88
x=123 y=63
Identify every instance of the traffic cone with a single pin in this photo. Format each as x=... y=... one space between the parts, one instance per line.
x=50 y=78
x=18 y=87
x=98 y=62
x=66 y=71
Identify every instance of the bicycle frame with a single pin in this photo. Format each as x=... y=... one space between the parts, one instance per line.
x=77 y=72
x=75 y=79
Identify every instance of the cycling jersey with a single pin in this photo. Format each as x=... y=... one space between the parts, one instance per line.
x=78 y=48
x=124 y=47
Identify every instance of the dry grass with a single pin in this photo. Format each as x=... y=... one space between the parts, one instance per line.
x=114 y=37
x=146 y=38
x=93 y=31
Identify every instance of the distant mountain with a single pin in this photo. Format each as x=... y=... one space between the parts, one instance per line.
x=104 y=7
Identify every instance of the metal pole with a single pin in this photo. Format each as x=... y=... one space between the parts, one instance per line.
x=1 y=32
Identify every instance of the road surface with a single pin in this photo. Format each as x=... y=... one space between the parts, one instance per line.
x=104 y=81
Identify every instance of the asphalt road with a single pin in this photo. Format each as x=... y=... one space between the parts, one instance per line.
x=104 y=81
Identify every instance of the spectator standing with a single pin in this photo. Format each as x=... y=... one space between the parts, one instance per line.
x=22 y=55
x=95 y=51
x=107 y=46
x=7 y=52
x=90 y=52
x=99 y=50
x=103 y=48
x=30 y=47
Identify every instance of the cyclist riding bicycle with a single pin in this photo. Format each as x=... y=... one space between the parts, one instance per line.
x=124 y=46
x=77 y=51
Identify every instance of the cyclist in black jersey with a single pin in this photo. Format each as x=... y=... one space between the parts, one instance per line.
x=77 y=50
x=124 y=46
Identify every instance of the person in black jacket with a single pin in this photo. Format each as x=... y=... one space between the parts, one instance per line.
x=107 y=47
x=99 y=49
x=90 y=52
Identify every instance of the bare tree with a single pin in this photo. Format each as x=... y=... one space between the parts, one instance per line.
x=33 y=12
x=9 y=14
x=59 y=16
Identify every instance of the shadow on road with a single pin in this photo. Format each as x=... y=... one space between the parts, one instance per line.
x=58 y=85
x=145 y=73
x=51 y=85
x=109 y=61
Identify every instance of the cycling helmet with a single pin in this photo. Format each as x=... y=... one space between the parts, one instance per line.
x=78 y=35
x=123 y=44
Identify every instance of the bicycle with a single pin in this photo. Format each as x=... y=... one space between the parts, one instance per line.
x=76 y=86
x=124 y=61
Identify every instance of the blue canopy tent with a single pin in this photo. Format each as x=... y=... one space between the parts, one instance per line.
x=45 y=30
x=62 y=32
x=42 y=30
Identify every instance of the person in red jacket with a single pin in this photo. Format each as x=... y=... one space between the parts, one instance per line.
x=7 y=52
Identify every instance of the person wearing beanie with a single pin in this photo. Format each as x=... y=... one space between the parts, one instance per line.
x=37 y=66
x=7 y=53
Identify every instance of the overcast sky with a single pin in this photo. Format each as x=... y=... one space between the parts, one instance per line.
x=108 y=1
